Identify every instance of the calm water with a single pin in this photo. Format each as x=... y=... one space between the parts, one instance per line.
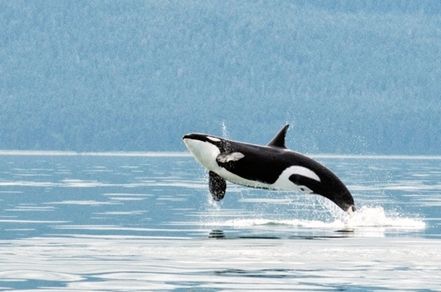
x=123 y=223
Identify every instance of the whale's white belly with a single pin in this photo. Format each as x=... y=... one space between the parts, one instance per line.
x=283 y=183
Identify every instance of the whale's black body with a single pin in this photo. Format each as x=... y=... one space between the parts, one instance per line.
x=271 y=167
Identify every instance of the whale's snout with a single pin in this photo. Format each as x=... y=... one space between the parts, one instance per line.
x=204 y=148
x=198 y=137
x=191 y=137
x=192 y=140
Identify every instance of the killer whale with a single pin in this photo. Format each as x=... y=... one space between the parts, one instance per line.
x=271 y=166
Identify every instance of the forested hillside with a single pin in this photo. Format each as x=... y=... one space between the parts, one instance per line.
x=350 y=76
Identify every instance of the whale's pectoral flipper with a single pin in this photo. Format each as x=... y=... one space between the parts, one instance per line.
x=217 y=186
x=279 y=140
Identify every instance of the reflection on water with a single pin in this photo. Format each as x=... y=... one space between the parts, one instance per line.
x=121 y=263
x=127 y=222
x=216 y=233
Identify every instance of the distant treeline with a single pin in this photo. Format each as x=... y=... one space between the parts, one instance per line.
x=350 y=76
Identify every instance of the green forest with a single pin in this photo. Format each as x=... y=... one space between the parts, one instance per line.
x=349 y=76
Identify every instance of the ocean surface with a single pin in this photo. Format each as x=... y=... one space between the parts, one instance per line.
x=145 y=221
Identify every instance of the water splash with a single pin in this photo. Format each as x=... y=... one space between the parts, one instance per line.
x=362 y=219
x=214 y=206
x=225 y=133
x=377 y=217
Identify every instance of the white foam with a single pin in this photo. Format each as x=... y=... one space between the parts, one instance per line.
x=78 y=183
x=365 y=217
x=377 y=217
x=81 y=202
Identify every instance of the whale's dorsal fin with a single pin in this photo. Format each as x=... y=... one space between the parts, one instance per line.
x=279 y=140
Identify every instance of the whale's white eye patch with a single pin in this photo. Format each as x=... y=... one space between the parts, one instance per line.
x=213 y=139
x=224 y=158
